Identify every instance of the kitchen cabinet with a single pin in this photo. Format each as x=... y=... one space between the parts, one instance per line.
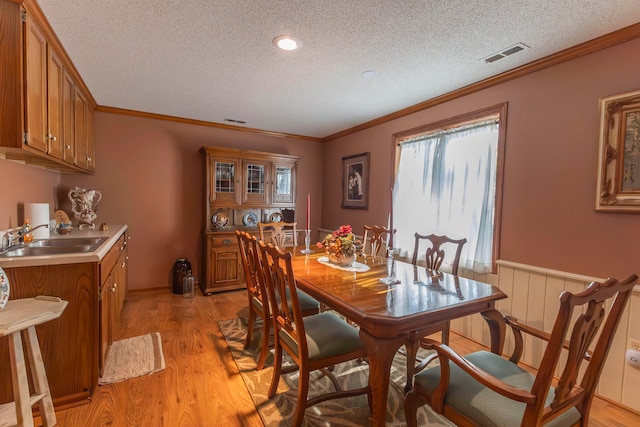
x=35 y=46
x=45 y=96
x=74 y=346
x=242 y=188
x=113 y=288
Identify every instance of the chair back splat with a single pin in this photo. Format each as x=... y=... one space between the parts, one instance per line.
x=484 y=388
x=283 y=234
x=435 y=253
x=373 y=238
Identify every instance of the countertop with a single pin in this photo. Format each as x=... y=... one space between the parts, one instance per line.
x=113 y=234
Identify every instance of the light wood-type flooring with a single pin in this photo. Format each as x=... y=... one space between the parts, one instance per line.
x=201 y=385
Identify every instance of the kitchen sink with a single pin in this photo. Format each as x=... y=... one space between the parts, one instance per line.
x=71 y=242
x=56 y=247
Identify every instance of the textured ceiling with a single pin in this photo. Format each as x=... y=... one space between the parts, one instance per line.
x=211 y=60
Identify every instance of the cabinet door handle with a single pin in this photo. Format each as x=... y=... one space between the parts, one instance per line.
x=68 y=147
x=226 y=242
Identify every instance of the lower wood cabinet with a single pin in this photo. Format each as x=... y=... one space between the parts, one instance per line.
x=113 y=289
x=224 y=269
x=74 y=345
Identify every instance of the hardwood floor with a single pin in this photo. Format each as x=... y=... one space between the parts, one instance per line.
x=201 y=385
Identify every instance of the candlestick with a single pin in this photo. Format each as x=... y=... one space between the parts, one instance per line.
x=307 y=242
x=391 y=220
x=308 y=212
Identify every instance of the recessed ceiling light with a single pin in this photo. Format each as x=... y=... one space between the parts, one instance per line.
x=369 y=74
x=287 y=43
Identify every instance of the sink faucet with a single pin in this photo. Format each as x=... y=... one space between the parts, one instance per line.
x=10 y=236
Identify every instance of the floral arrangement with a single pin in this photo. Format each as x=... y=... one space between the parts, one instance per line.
x=341 y=242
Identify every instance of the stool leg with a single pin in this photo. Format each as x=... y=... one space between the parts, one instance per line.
x=21 y=394
x=40 y=383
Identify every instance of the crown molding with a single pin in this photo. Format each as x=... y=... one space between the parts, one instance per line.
x=608 y=40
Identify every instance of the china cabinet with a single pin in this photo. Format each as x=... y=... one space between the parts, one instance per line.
x=242 y=188
x=47 y=110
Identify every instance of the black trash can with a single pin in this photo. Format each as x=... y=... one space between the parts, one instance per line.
x=180 y=269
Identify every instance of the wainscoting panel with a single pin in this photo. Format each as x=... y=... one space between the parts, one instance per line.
x=533 y=297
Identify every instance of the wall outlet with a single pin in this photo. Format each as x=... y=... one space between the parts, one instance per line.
x=634 y=345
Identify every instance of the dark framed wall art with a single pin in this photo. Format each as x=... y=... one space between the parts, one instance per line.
x=355 y=181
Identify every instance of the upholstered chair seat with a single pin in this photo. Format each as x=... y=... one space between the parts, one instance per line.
x=483 y=405
x=327 y=335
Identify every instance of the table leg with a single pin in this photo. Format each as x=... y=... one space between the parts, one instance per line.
x=497 y=329
x=381 y=352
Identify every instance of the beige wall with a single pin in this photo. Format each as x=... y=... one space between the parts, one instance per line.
x=20 y=184
x=150 y=173
x=548 y=216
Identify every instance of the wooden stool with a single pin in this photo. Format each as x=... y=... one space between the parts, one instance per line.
x=19 y=315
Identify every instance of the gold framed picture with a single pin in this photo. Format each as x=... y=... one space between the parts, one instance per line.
x=618 y=180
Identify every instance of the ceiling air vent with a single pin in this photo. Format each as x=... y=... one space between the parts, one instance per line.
x=504 y=53
x=241 y=122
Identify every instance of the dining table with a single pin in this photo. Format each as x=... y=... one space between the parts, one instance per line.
x=392 y=304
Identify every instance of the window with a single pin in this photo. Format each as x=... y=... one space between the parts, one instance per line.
x=449 y=181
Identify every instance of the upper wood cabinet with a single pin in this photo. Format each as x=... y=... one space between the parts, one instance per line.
x=44 y=95
x=35 y=47
x=249 y=178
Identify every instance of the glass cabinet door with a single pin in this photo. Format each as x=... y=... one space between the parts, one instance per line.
x=255 y=179
x=283 y=184
x=224 y=182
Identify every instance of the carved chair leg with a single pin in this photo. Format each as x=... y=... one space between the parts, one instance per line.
x=411 y=404
x=301 y=404
x=266 y=339
x=250 y=325
x=277 y=369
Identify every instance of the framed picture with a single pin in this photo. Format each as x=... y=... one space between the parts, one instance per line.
x=355 y=181
x=618 y=183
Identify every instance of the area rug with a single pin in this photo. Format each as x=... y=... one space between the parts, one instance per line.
x=348 y=412
x=133 y=357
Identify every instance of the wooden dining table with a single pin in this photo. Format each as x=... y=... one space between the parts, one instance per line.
x=389 y=315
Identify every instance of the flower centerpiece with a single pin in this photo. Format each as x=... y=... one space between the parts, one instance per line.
x=341 y=246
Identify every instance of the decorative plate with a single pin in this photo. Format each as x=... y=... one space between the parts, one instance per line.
x=275 y=217
x=220 y=219
x=4 y=289
x=250 y=219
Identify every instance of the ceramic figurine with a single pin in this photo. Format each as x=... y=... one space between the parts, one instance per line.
x=84 y=204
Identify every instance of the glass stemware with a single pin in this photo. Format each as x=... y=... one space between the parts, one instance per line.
x=391 y=277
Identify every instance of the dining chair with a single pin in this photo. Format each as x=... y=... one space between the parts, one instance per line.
x=434 y=256
x=256 y=291
x=316 y=342
x=484 y=388
x=283 y=234
x=373 y=237
x=257 y=294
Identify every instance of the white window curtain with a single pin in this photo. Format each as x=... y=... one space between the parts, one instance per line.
x=445 y=184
